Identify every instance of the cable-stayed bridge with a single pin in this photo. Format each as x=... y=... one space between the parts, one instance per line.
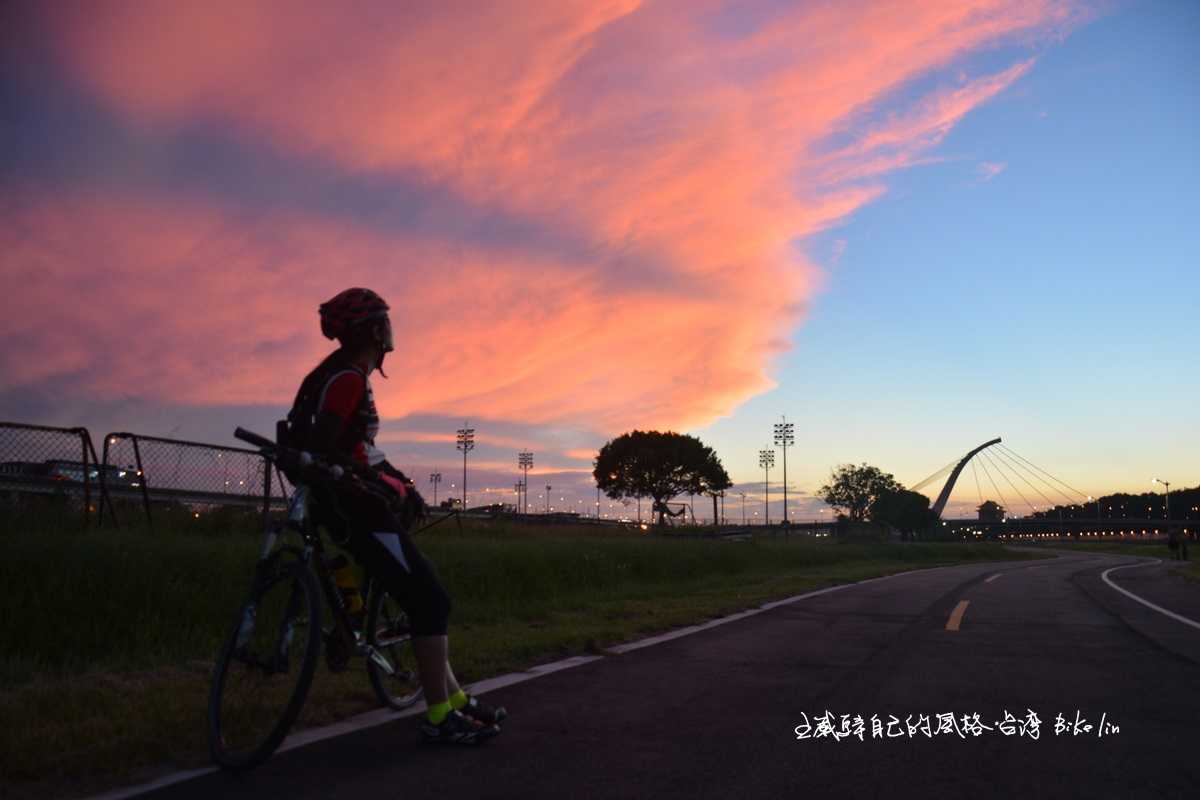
x=1021 y=489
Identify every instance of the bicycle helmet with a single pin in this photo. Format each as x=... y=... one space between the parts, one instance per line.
x=349 y=309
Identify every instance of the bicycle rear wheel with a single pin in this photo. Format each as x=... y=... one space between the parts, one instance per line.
x=266 y=666
x=391 y=666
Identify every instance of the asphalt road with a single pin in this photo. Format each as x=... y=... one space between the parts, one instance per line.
x=715 y=714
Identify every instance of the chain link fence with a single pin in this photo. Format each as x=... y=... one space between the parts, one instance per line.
x=175 y=480
x=48 y=473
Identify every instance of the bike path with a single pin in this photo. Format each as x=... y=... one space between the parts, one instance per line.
x=714 y=714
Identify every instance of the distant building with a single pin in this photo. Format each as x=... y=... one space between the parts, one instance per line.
x=991 y=512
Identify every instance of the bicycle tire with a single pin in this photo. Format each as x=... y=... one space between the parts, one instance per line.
x=388 y=633
x=228 y=745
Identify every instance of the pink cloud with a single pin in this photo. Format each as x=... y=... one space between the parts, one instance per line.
x=990 y=169
x=656 y=170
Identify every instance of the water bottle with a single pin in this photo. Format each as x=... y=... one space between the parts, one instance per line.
x=347 y=584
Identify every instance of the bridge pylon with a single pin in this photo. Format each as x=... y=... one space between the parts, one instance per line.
x=940 y=504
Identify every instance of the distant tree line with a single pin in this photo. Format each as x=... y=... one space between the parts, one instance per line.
x=1185 y=505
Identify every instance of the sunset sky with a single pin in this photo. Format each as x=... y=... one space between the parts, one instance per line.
x=908 y=226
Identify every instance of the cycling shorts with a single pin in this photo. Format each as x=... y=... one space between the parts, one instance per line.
x=363 y=522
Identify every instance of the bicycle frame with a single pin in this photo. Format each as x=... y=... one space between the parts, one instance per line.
x=312 y=555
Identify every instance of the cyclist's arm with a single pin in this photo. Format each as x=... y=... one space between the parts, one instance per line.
x=340 y=399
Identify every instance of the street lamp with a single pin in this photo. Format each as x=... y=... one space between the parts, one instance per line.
x=766 y=460
x=743 y=496
x=1166 y=498
x=466 y=443
x=548 y=488
x=525 y=461
x=784 y=438
x=435 y=478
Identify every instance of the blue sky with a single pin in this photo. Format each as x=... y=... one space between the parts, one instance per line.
x=1053 y=304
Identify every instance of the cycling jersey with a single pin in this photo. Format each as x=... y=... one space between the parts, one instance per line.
x=340 y=387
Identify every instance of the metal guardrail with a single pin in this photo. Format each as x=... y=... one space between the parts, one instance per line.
x=40 y=463
x=194 y=474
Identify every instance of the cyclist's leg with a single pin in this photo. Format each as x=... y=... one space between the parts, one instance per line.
x=379 y=543
x=407 y=575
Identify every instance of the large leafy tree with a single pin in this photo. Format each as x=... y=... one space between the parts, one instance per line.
x=659 y=466
x=905 y=510
x=854 y=488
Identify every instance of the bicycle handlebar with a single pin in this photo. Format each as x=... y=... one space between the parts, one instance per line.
x=290 y=457
x=253 y=438
x=317 y=467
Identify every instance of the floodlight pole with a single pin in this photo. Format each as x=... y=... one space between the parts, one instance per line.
x=525 y=461
x=466 y=443
x=435 y=478
x=766 y=460
x=785 y=438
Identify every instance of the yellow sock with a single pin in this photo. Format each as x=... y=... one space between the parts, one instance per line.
x=438 y=712
x=458 y=700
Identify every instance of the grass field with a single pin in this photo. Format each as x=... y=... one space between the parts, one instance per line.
x=110 y=635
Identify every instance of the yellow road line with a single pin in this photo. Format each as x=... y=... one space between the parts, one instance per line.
x=997 y=575
x=957 y=615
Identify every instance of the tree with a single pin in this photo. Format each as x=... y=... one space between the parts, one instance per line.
x=902 y=509
x=854 y=488
x=659 y=466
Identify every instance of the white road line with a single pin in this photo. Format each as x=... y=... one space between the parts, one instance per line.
x=381 y=716
x=167 y=780
x=1144 y=602
x=997 y=575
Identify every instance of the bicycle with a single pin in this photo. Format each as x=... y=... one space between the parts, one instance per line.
x=276 y=638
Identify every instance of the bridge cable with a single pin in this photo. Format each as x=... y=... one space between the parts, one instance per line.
x=992 y=480
x=1001 y=457
x=1032 y=507
x=1047 y=474
x=916 y=487
x=1069 y=496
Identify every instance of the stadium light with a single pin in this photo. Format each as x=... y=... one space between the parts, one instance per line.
x=466 y=443
x=525 y=462
x=784 y=438
x=766 y=460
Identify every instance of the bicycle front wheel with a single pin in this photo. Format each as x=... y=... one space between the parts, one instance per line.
x=390 y=661
x=266 y=666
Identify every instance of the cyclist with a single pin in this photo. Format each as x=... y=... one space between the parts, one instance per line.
x=334 y=416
